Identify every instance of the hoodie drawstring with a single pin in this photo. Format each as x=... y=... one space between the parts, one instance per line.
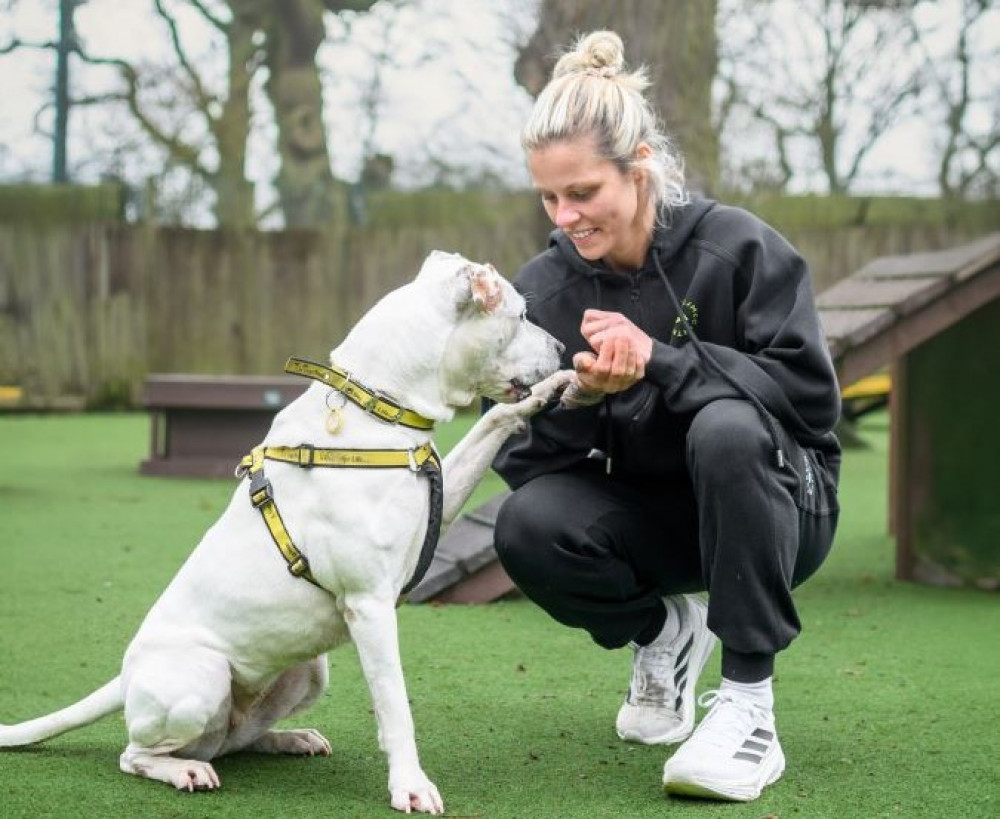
x=709 y=360
x=608 y=429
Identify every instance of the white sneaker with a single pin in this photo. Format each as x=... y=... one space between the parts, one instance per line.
x=659 y=708
x=733 y=755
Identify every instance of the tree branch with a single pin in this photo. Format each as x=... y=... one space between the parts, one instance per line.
x=15 y=44
x=221 y=25
x=172 y=143
x=337 y=6
x=202 y=99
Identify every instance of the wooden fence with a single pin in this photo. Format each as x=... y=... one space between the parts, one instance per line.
x=88 y=310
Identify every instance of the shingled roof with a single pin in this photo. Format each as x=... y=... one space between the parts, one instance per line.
x=896 y=303
x=870 y=319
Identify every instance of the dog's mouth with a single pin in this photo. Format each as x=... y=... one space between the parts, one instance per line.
x=517 y=390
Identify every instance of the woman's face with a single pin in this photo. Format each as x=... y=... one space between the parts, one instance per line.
x=604 y=212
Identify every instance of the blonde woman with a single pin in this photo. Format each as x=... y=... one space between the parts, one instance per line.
x=696 y=454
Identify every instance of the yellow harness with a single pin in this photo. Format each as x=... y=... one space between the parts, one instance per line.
x=421 y=460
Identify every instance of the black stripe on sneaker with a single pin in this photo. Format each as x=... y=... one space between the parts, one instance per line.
x=750 y=745
x=684 y=651
x=680 y=680
x=680 y=672
x=755 y=758
x=760 y=733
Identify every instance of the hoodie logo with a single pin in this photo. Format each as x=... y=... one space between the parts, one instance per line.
x=691 y=312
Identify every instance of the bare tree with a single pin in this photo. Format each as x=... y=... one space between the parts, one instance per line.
x=825 y=77
x=203 y=125
x=964 y=81
x=294 y=31
x=675 y=39
x=380 y=48
x=200 y=128
x=63 y=45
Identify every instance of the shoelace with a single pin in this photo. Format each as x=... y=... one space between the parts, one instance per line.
x=728 y=723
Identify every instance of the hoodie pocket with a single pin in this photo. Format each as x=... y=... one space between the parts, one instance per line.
x=648 y=440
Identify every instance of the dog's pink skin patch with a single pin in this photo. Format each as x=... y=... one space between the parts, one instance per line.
x=486 y=291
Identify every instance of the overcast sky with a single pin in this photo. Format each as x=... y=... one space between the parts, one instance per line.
x=453 y=95
x=427 y=105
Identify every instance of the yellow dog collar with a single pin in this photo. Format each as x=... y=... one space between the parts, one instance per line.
x=369 y=400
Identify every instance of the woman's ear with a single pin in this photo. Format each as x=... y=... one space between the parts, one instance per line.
x=642 y=153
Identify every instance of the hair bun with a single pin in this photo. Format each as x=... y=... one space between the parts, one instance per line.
x=598 y=54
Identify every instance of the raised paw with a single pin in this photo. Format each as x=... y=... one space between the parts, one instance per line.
x=548 y=388
x=298 y=741
x=544 y=391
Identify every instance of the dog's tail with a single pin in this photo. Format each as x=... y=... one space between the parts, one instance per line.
x=105 y=700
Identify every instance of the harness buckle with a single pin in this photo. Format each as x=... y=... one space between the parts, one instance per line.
x=411 y=456
x=260 y=490
x=307 y=455
x=372 y=403
x=371 y=407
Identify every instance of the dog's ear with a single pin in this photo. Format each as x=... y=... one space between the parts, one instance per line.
x=479 y=286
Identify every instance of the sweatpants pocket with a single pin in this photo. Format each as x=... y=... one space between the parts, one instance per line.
x=817 y=491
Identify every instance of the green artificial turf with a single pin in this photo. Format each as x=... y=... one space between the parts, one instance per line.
x=888 y=704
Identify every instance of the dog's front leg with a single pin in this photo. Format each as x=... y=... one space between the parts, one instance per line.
x=372 y=621
x=467 y=462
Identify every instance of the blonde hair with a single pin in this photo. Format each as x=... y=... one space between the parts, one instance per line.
x=592 y=94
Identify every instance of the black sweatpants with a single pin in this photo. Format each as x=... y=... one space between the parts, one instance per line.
x=599 y=551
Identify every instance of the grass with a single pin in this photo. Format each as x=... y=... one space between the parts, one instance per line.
x=887 y=705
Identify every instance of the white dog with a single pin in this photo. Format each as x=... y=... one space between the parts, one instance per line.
x=237 y=641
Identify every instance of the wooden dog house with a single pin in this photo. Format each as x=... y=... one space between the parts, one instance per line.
x=934 y=318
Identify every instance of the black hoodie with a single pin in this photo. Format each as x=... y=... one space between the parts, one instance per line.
x=747 y=296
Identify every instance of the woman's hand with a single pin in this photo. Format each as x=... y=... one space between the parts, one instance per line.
x=622 y=352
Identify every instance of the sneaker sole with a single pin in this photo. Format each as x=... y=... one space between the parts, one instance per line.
x=700 y=652
x=727 y=792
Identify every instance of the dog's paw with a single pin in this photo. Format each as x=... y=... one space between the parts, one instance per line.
x=193 y=775
x=421 y=796
x=543 y=392
x=184 y=774
x=298 y=741
x=575 y=396
x=310 y=742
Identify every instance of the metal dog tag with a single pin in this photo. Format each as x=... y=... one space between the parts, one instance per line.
x=334 y=421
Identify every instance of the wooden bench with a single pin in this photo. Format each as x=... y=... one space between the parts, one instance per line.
x=201 y=425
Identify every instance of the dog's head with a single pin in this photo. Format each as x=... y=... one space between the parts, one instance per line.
x=493 y=350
